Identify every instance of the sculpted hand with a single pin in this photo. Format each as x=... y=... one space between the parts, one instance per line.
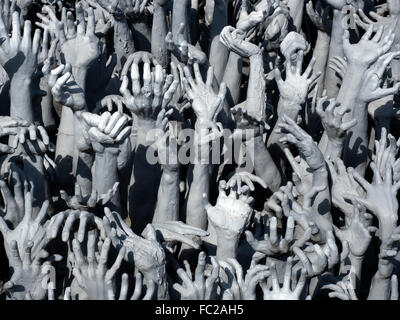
x=205 y=103
x=292 y=45
x=304 y=214
x=137 y=292
x=176 y=231
x=155 y=94
x=380 y=194
x=201 y=288
x=284 y=293
x=185 y=52
x=343 y=186
x=68 y=221
x=371 y=88
x=244 y=178
x=275 y=244
x=14 y=193
x=49 y=22
x=369 y=48
x=332 y=119
x=91 y=272
x=239 y=287
x=34 y=140
x=79 y=202
x=29 y=229
x=321 y=15
x=386 y=150
x=74 y=41
x=233 y=39
x=9 y=127
x=296 y=85
x=64 y=88
x=164 y=141
x=231 y=214
x=19 y=54
x=30 y=278
x=359 y=232
x=248 y=21
x=106 y=130
x=308 y=148
x=343 y=290
x=364 y=21
x=147 y=254
x=317 y=260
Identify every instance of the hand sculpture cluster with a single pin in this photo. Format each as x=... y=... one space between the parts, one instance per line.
x=152 y=153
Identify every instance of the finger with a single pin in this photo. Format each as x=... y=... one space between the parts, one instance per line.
x=124 y=287
x=138 y=287
x=28 y=253
x=288 y=274
x=274 y=278
x=16 y=258
x=68 y=225
x=201 y=264
x=300 y=283
x=304 y=260
x=115 y=267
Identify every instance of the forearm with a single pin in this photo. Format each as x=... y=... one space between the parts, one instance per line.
x=355 y=268
x=82 y=160
x=47 y=109
x=65 y=148
x=355 y=153
x=233 y=79
x=322 y=201
x=195 y=212
x=380 y=288
x=167 y=208
x=227 y=246
x=35 y=173
x=181 y=15
x=335 y=50
x=79 y=74
x=145 y=176
x=331 y=148
x=218 y=53
x=21 y=98
x=264 y=165
x=106 y=174
x=82 y=168
x=123 y=41
x=255 y=102
x=321 y=52
x=296 y=12
x=387 y=224
x=288 y=108
x=158 y=33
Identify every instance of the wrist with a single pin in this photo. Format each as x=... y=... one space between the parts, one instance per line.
x=356 y=258
x=386 y=226
x=288 y=107
x=21 y=79
x=227 y=244
x=143 y=128
x=105 y=150
x=334 y=147
x=79 y=74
